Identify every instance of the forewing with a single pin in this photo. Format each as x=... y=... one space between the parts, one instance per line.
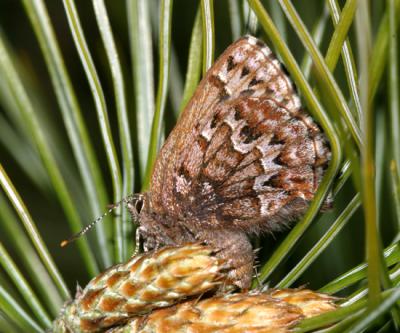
x=242 y=154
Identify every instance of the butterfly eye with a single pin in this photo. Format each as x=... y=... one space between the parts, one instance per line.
x=139 y=205
x=135 y=204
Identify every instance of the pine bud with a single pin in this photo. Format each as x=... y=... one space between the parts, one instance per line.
x=146 y=282
x=310 y=302
x=273 y=311
x=235 y=313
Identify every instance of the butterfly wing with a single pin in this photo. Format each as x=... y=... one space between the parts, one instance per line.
x=243 y=154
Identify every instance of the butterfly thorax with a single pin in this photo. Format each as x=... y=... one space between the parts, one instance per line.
x=157 y=230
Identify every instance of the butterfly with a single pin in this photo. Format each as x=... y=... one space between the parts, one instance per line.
x=243 y=159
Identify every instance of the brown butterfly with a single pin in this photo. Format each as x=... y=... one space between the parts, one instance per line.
x=243 y=159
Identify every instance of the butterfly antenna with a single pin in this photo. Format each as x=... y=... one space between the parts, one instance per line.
x=91 y=225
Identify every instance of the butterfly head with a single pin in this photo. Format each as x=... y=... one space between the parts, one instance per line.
x=136 y=203
x=148 y=229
